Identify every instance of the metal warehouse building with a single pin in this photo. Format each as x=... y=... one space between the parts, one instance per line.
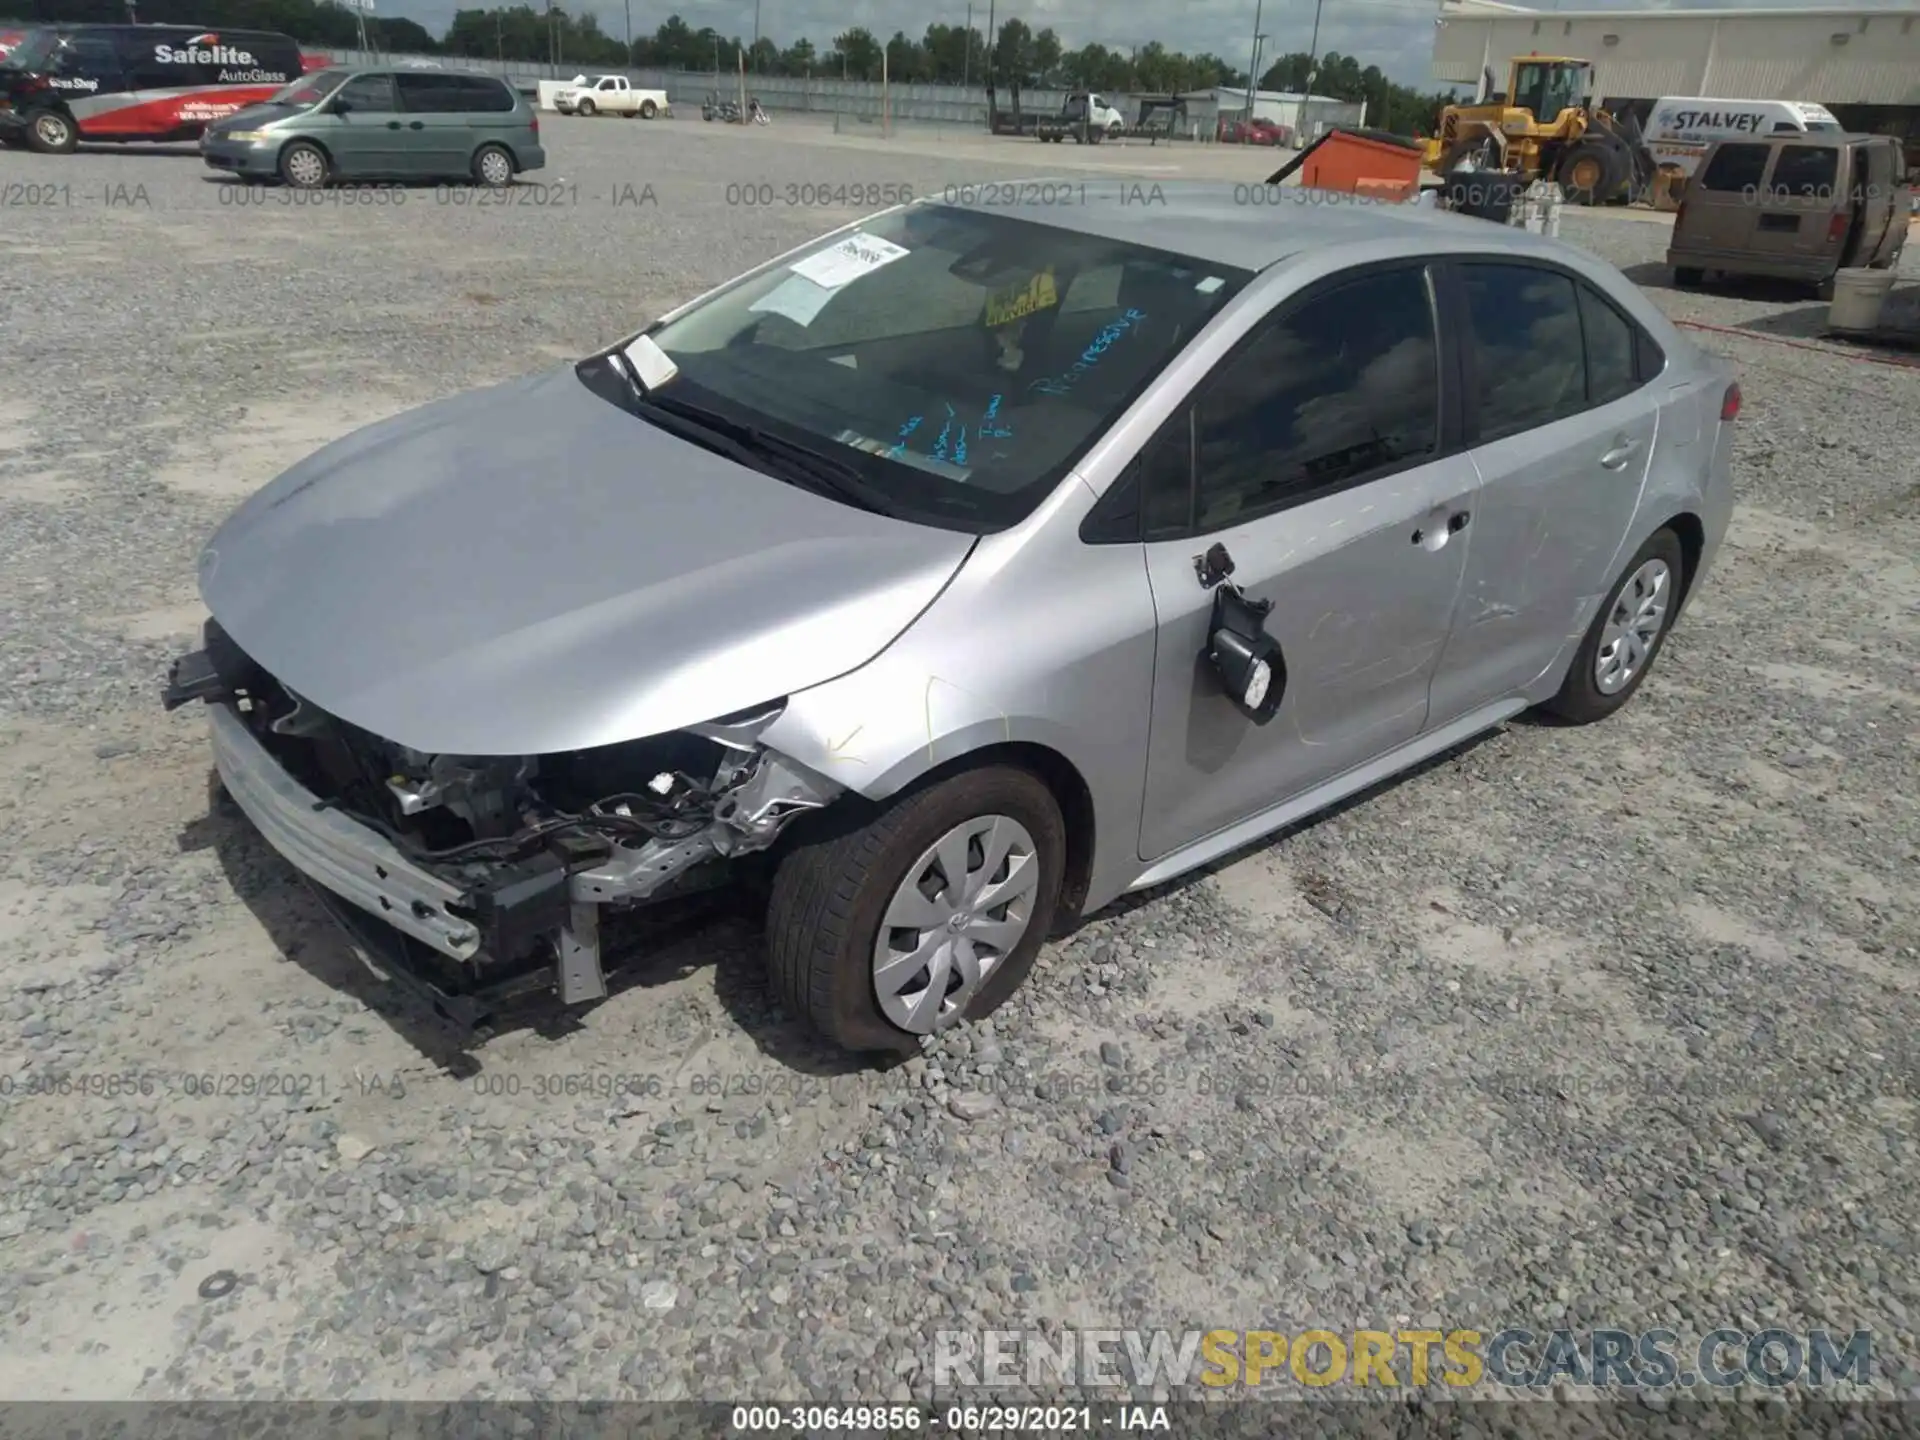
x=1832 y=57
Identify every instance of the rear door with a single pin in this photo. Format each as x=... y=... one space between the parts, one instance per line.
x=439 y=136
x=1561 y=425
x=1881 y=199
x=1806 y=214
x=1722 y=202
x=89 y=77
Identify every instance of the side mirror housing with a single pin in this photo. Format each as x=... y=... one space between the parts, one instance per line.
x=1247 y=660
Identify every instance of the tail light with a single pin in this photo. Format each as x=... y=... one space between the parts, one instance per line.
x=536 y=126
x=1837 y=227
x=1730 y=403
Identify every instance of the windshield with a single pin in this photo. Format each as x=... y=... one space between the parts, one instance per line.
x=308 y=89
x=960 y=361
x=35 y=51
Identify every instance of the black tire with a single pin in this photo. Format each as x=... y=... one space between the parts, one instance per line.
x=487 y=169
x=304 y=166
x=585 y=107
x=1824 y=290
x=648 y=110
x=1600 y=170
x=832 y=889
x=1689 y=277
x=52 y=132
x=1581 y=701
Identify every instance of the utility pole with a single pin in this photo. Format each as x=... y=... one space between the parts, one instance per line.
x=966 y=55
x=755 y=52
x=1313 y=50
x=1253 y=59
x=989 y=58
x=629 y=4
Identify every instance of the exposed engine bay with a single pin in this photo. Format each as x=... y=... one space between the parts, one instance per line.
x=535 y=845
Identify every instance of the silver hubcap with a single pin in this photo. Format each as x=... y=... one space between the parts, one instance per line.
x=305 y=167
x=961 y=910
x=1634 y=622
x=494 y=168
x=53 y=130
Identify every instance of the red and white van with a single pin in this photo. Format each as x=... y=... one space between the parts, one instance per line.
x=62 y=84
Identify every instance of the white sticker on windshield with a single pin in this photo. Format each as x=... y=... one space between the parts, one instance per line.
x=795 y=297
x=1210 y=284
x=859 y=254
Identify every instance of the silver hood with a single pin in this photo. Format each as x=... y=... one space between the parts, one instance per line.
x=528 y=569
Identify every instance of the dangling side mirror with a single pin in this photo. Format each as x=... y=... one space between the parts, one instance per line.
x=1246 y=659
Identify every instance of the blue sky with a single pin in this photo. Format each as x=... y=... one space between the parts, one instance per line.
x=1396 y=35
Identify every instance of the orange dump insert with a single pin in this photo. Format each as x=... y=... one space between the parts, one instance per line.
x=1351 y=163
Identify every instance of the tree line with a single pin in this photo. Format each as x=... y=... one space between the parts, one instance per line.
x=1022 y=59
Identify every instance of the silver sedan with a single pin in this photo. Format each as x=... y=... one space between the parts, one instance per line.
x=959 y=572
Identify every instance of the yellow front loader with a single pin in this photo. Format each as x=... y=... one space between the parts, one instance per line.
x=1545 y=125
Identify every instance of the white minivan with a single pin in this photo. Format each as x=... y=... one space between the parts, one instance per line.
x=1682 y=127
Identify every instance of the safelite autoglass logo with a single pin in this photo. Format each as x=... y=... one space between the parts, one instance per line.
x=203 y=49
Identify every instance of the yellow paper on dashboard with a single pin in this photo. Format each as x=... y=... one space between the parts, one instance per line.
x=1019 y=301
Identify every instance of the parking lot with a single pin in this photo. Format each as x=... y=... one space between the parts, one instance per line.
x=1611 y=1026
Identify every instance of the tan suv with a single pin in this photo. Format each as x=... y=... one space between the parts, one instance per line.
x=1799 y=207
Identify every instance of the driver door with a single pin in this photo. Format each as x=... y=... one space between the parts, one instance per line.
x=366 y=140
x=1324 y=454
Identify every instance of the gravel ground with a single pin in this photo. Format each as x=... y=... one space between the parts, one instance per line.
x=1610 y=1026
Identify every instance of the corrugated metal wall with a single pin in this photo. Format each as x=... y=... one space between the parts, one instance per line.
x=1859 y=57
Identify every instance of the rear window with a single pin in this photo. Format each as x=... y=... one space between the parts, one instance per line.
x=1736 y=168
x=454 y=94
x=1806 y=172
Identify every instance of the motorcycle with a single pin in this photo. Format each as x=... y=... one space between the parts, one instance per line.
x=714 y=108
x=756 y=114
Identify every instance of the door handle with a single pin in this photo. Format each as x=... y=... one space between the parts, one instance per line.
x=1622 y=451
x=393 y=124
x=1456 y=522
x=417 y=125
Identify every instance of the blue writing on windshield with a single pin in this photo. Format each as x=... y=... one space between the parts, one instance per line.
x=900 y=440
x=992 y=427
x=945 y=438
x=1090 y=357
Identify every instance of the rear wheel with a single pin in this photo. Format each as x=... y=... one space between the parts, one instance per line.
x=52 y=132
x=929 y=913
x=492 y=167
x=1626 y=636
x=648 y=110
x=303 y=165
x=1689 y=277
x=1591 y=172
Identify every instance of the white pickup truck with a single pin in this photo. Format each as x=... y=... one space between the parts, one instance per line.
x=612 y=94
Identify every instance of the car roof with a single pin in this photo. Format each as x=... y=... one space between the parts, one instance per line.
x=1249 y=225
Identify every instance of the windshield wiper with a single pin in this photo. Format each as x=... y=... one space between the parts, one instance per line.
x=814 y=469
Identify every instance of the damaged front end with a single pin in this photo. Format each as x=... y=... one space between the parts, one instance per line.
x=488 y=875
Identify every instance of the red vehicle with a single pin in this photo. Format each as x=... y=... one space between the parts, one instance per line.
x=311 y=63
x=9 y=39
x=1257 y=131
x=62 y=84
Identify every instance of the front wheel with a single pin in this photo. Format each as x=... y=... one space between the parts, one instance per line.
x=52 y=133
x=883 y=930
x=1626 y=636
x=304 y=166
x=586 y=107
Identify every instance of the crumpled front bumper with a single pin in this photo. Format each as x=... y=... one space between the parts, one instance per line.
x=349 y=859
